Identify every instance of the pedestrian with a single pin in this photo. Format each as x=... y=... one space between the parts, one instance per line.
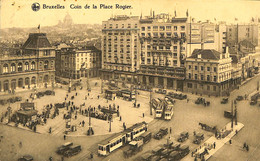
x=91 y=155
x=76 y=93
x=50 y=130
x=98 y=96
x=230 y=142
x=50 y=159
x=187 y=100
x=120 y=118
x=194 y=133
x=20 y=144
x=244 y=146
x=143 y=115
x=247 y=148
x=214 y=145
x=64 y=137
x=170 y=130
x=88 y=94
x=83 y=123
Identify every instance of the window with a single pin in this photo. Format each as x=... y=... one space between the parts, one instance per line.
x=110 y=26
x=20 y=67
x=162 y=28
x=46 y=64
x=215 y=69
x=208 y=78
x=26 y=66
x=129 y=26
x=182 y=27
x=46 y=52
x=208 y=88
x=208 y=69
x=5 y=68
x=189 y=75
x=12 y=67
x=202 y=77
x=175 y=48
x=168 y=28
x=149 y=28
x=155 y=28
x=123 y=25
x=189 y=66
x=189 y=85
x=33 y=65
x=143 y=28
x=155 y=34
x=116 y=25
x=175 y=28
x=201 y=68
x=215 y=78
x=196 y=67
x=196 y=76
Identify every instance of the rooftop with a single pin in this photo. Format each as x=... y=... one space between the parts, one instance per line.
x=206 y=54
x=36 y=41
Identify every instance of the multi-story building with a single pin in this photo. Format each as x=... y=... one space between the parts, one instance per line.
x=75 y=63
x=240 y=32
x=208 y=72
x=163 y=49
x=120 y=48
x=32 y=65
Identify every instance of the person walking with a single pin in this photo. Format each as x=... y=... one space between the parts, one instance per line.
x=214 y=145
x=64 y=137
x=143 y=115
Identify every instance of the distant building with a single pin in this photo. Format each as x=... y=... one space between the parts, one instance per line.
x=74 y=63
x=208 y=72
x=32 y=65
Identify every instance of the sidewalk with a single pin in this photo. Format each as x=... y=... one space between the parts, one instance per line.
x=218 y=142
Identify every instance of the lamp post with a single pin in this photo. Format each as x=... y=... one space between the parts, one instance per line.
x=232 y=115
x=151 y=112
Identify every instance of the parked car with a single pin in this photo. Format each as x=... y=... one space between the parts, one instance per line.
x=184 y=150
x=49 y=92
x=198 y=138
x=224 y=101
x=228 y=114
x=146 y=156
x=253 y=102
x=162 y=132
x=26 y=158
x=239 y=98
x=183 y=136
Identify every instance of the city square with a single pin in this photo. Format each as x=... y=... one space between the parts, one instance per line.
x=131 y=83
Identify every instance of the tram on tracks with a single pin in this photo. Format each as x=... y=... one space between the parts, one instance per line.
x=120 y=139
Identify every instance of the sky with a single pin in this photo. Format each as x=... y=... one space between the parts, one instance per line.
x=18 y=13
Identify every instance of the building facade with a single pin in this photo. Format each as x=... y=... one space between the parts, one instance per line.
x=75 y=63
x=32 y=65
x=163 y=49
x=208 y=72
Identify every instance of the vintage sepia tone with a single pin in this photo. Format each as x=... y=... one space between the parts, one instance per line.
x=141 y=80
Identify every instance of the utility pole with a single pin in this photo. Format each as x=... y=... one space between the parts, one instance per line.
x=151 y=112
x=110 y=119
x=235 y=114
x=232 y=115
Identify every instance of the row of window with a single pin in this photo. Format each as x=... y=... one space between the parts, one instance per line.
x=26 y=66
x=190 y=85
x=168 y=34
x=162 y=28
x=202 y=77
x=202 y=68
x=121 y=26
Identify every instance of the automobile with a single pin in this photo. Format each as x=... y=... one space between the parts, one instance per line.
x=40 y=94
x=224 y=101
x=73 y=150
x=59 y=105
x=183 y=136
x=176 y=146
x=62 y=149
x=161 y=91
x=181 y=96
x=239 y=98
x=157 y=150
x=253 y=102
x=162 y=132
x=184 y=150
x=228 y=114
x=200 y=100
x=26 y=158
x=146 y=156
x=49 y=92
x=155 y=158
x=175 y=155
x=198 y=138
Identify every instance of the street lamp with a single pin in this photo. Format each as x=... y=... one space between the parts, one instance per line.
x=151 y=112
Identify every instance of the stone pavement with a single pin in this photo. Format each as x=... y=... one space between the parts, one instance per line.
x=219 y=143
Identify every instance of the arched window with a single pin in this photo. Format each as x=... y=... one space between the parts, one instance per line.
x=33 y=80
x=20 y=67
x=12 y=67
x=20 y=82
x=27 y=81
x=33 y=65
x=5 y=68
x=26 y=66
x=46 y=64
